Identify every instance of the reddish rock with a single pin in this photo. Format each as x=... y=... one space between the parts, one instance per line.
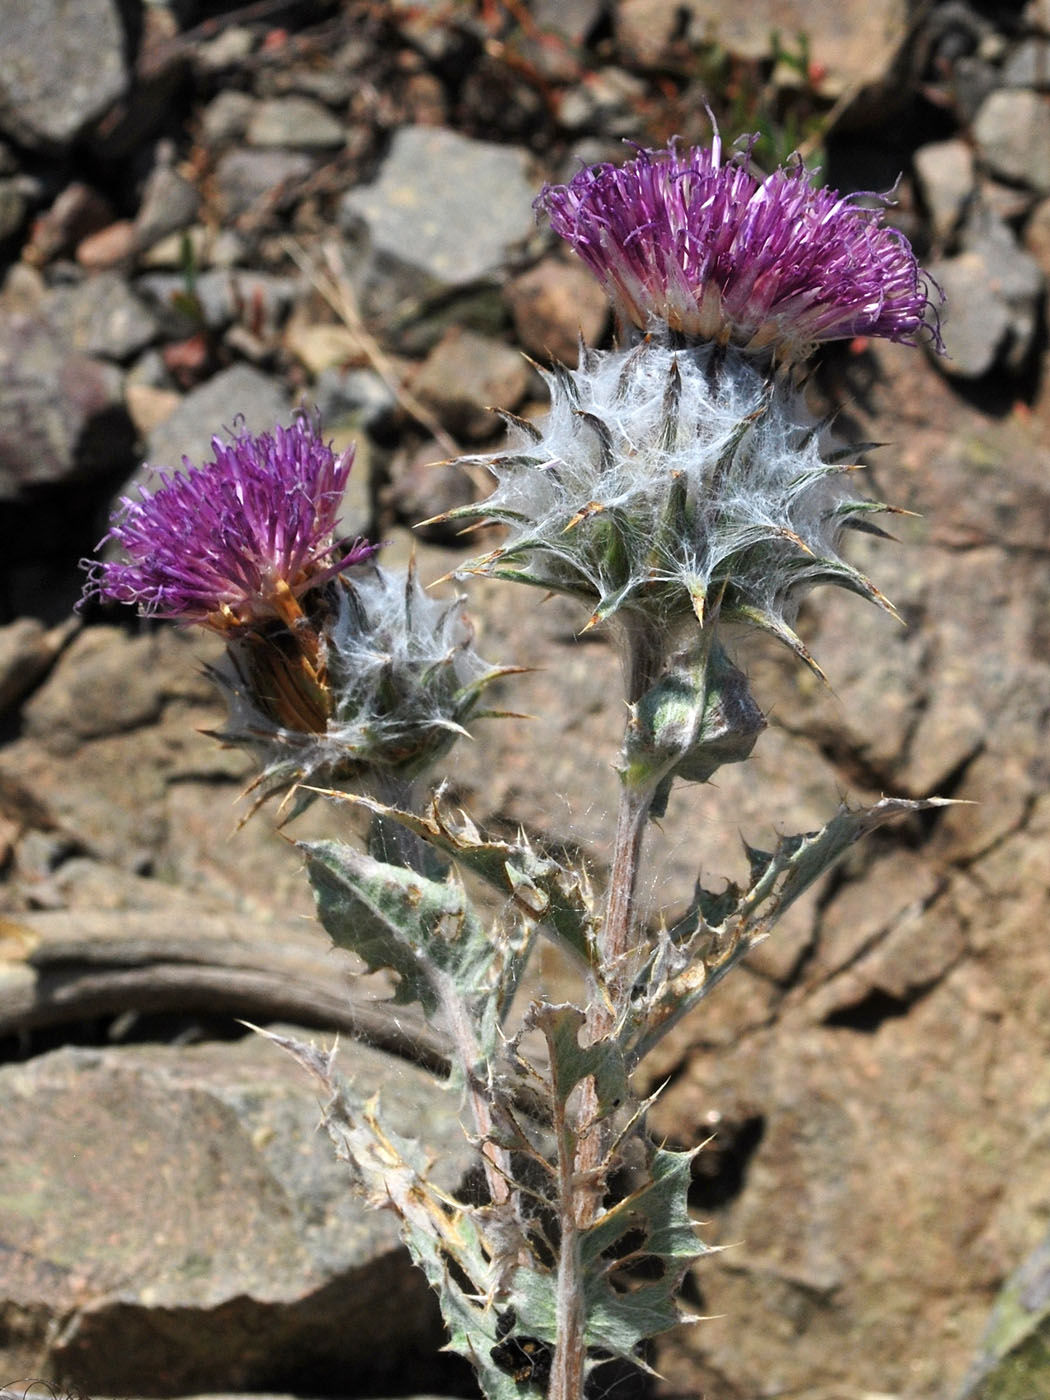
x=113 y=246
x=553 y=305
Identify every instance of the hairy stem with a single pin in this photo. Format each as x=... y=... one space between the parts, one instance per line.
x=495 y=1160
x=570 y=1354
x=644 y=655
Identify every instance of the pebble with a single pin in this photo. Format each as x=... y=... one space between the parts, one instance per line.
x=1012 y=131
x=169 y=203
x=1036 y=237
x=113 y=246
x=226 y=117
x=609 y=99
x=244 y=179
x=1028 y=65
x=321 y=346
x=464 y=375
x=299 y=122
x=944 y=171
x=149 y=407
x=552 y=305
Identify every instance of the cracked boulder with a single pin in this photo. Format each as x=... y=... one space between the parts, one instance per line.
x=173 y=1218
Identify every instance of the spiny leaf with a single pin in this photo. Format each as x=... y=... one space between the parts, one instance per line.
x=541 y=887
x=778 y=878
x=852 y=450
x=572 y=1062
x=444 y=1238
x=622 y=1310
x=398 y=919
x=776 y=627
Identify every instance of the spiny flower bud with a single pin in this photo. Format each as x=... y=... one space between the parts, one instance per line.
x=708 y=249
x=399 y=681
x=333 y=674
x=697 y=717
x=676 y=484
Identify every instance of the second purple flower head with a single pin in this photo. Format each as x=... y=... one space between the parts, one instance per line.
x=680 y=237
x=238 y=541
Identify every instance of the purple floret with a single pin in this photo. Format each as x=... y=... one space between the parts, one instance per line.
x=224 y=544
x=715 y=253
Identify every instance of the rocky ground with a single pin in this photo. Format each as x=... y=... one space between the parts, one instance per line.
x=208 y=213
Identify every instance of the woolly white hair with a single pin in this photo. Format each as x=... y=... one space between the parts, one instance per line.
x=401 y=675
x=673 y=481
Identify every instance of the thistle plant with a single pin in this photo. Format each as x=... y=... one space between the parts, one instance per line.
x=677 y=484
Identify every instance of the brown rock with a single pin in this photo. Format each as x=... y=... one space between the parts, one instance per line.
x=553 y=305
x=465 y=376
x=854 y=45
x=113 y=246
x=179 y=1212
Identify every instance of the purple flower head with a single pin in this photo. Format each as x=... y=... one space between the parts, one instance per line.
x=715 y=253
x=237 y=541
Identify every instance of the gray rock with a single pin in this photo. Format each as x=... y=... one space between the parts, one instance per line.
x=559 y=30
x=61 y=66
x=610 y=102
x=244 y=179
x=993 y=290
x=169 y=203
x=295 y=121
x=357 y=396
x=226 y=116
x=62 y=413
x=240 y=391
x=102 y=316
x=1012 y=131
x=174 y=1213
x=418 y=213
x=334 y=86
x=976 y=326
x=1028 y=65
x=228 y=49
x=945 y=174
